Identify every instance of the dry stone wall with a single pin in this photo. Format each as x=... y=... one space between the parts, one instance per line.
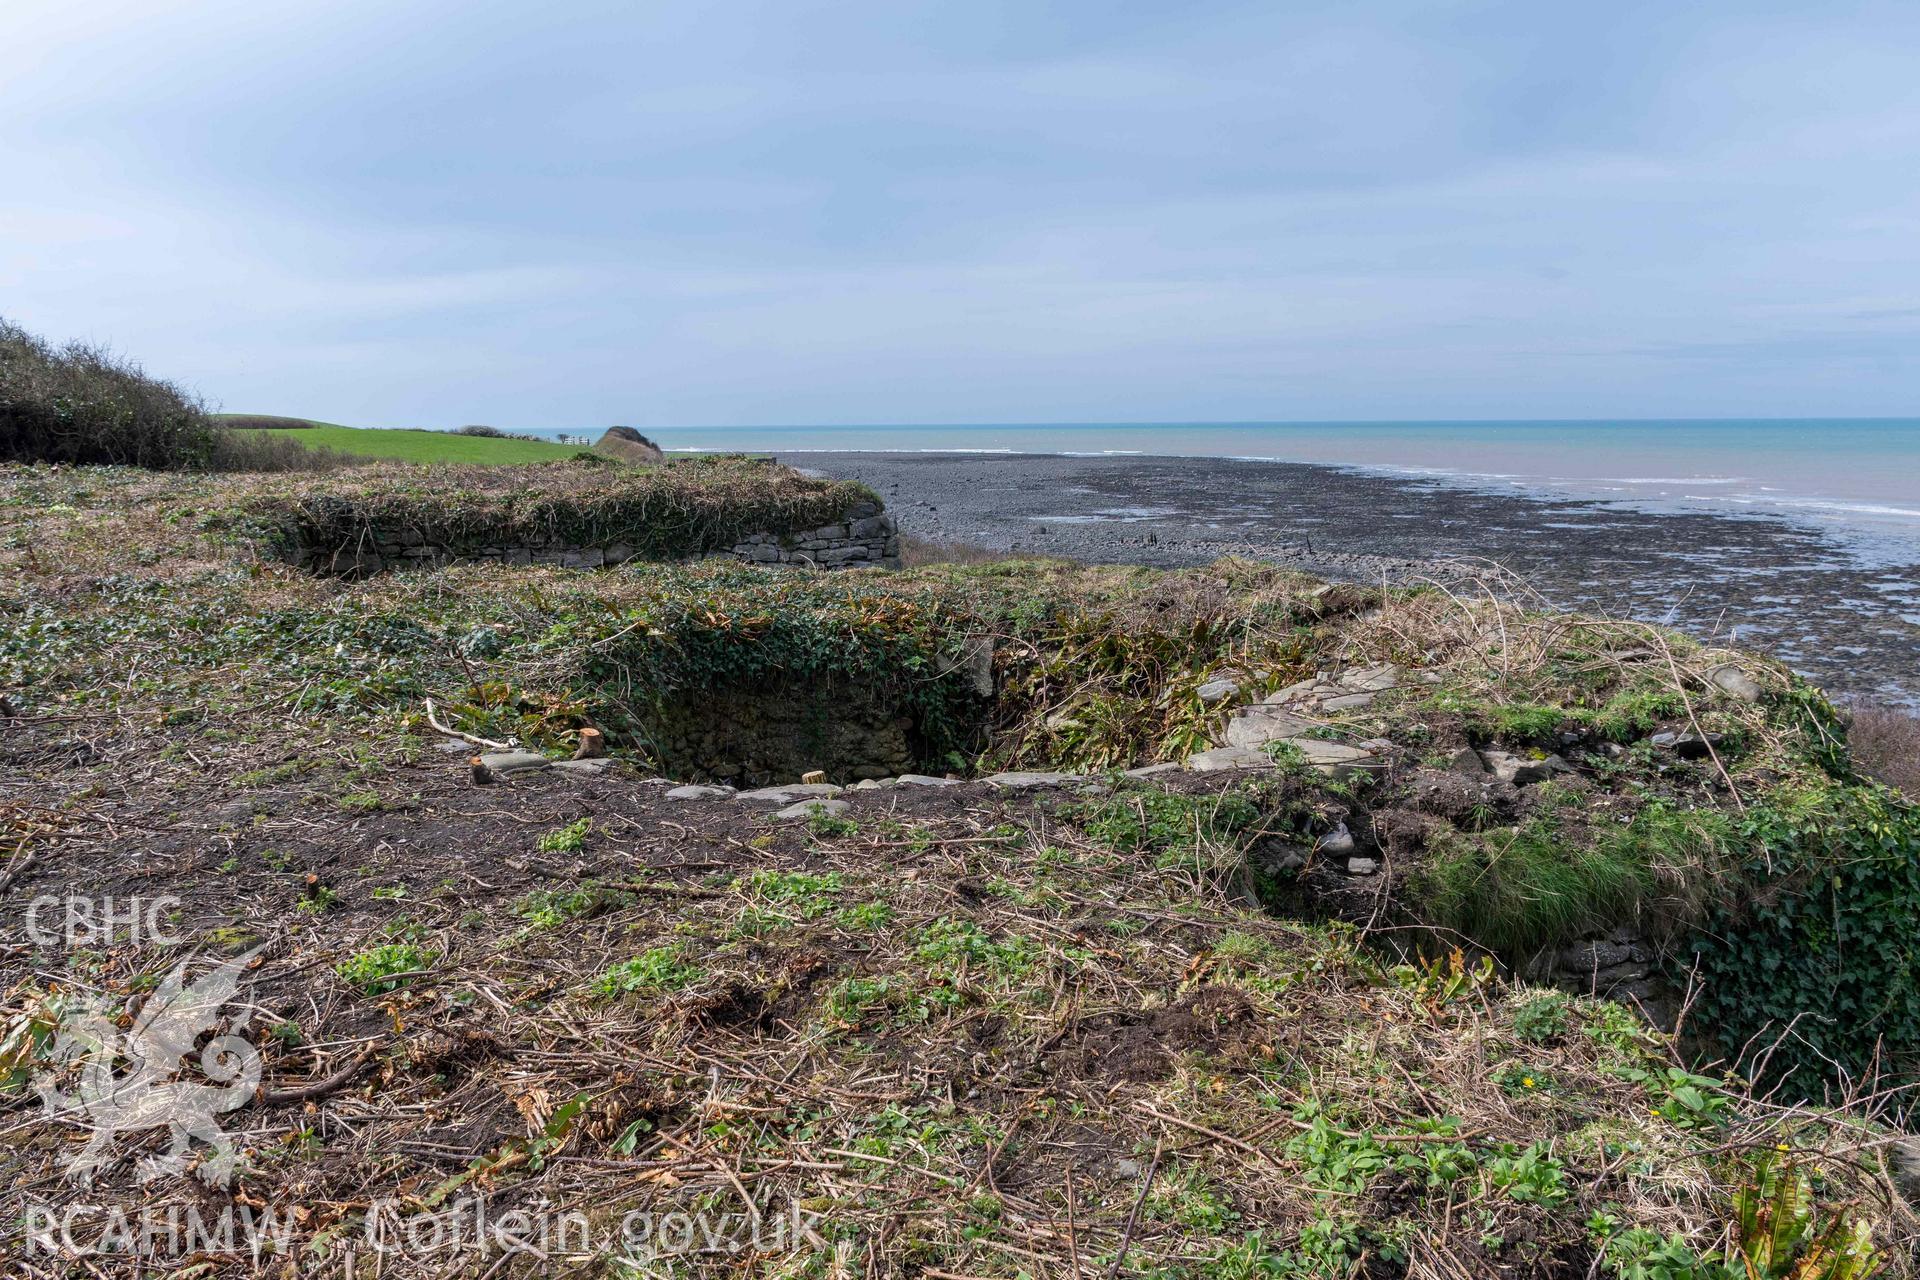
x=868 y=538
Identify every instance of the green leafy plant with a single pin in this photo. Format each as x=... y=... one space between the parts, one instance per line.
x=653 y=972
x=567 y=839
x=1541 y=1020
x=385 y=968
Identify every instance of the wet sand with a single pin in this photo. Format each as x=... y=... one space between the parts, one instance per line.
x=1849 y=622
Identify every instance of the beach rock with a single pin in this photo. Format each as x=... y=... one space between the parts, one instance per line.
x=1216 y=691
x=815 y=809
x=1256 y=726
x=1737 y=683
x=791 y=792
x=624 y=444
x=695 y=791
x=505 y=762
x=1021 y=781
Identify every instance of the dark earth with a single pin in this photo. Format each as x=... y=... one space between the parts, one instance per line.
x=1847 y=622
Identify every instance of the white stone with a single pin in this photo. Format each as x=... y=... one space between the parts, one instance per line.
x=814 y=809
x=1737 y=683
x=1020 y=781
x=1222 y=758
x=791 y=792
x=1257 y=726
x=1217 y=690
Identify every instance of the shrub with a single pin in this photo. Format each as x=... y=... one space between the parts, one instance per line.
x=258 y=451
x=1885 y=742
x=80 y=405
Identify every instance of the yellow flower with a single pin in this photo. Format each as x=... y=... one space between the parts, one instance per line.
x=1781 y=1146
x=1527 y=1081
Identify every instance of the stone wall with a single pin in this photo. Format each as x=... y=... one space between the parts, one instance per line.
x=867 y=539
x=751 y=737
x=1620 y=965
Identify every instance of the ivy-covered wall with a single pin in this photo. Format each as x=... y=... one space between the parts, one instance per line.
x=1811 y=976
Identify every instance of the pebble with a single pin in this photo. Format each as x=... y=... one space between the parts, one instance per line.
x=1362 y=866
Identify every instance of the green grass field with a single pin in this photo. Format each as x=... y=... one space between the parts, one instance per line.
x=427 y=446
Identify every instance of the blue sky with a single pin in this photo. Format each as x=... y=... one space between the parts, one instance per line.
x=575 y=212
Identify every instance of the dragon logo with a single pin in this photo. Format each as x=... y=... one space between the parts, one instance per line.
x=146 y=1095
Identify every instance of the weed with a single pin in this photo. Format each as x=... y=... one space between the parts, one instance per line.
x=950 y=945
x=866 y=917
x=384 y=968
x=826 y=825
x=567 y=839
x=550 y=908
x=1529 y=1175
x=1541 y=1020
x=811 y=895
x=653 y=972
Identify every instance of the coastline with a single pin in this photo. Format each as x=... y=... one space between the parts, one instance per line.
x=1849 y=622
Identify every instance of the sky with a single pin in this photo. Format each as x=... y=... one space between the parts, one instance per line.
x=578 y=212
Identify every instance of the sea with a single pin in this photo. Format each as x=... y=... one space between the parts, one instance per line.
x=1858 y=478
